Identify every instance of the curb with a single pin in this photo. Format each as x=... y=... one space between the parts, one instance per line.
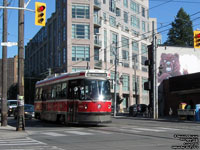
x=9 y=132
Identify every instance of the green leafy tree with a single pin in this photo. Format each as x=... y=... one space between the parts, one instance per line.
x=181 y=33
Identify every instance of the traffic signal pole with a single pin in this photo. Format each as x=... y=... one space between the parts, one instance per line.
x=20 y=117
x=154 y=86
x=4 y=69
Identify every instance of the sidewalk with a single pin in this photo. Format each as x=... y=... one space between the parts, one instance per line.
x=163 y=119
x=9 y=132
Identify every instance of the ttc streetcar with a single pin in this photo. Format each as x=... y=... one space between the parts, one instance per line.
x=80 y=97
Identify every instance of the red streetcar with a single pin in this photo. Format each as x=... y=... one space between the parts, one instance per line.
x=79 y=97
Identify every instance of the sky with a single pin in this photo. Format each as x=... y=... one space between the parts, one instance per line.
x=164 y=10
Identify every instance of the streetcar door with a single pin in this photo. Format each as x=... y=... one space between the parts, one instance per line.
x=73 y=104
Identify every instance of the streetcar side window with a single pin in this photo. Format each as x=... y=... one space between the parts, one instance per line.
x=58 y=91
x=53 y=92
x=64 y=90
x=40 y=94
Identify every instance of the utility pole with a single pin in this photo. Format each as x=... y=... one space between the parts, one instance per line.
x=115 y=87
x=136 y=95
x=155 y=101
x=4 y=69
x=20 y=118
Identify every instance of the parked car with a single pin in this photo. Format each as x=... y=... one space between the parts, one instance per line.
x=29 y=112
x=12 y=105
x=137 y=109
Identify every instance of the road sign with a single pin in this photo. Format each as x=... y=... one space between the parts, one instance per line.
x=9 y=44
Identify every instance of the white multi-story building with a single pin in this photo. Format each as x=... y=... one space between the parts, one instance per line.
x=93 y=33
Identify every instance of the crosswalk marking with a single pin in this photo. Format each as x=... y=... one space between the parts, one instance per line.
x=167 y=128
x=26 y=141
x=129 y=130
x=78 y=132
x=148 y=129
x=54 y=134
x=100 y=131
x=25 y=144
x=106 y=131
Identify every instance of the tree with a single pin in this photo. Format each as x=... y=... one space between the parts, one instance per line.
x=181 y=33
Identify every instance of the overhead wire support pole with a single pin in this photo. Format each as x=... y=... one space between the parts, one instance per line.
x=4 y=69
x=20 y=118
x=136 y=95
x=155 y=105
x=115 y=86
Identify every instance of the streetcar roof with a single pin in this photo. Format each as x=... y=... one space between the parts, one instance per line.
x=75 y=75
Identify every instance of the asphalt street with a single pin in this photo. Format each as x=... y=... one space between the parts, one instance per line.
x=124 y=133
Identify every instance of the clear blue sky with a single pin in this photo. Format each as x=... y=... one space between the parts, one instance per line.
x=163 y=10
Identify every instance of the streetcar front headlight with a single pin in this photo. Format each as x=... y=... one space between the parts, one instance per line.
x=86 y=107
x=109 y=106
x=101 y=97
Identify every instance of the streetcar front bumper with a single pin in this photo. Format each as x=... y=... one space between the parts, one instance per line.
x=94 y=117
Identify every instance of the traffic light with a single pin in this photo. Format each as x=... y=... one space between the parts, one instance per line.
x=196 y=39
x=40 y=13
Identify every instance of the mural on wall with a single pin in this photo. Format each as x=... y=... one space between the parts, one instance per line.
x=170 y=66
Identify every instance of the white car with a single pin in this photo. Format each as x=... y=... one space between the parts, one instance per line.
x=12 y=105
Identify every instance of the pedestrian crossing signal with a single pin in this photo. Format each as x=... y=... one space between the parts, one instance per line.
x=40 y=14
x=196 y=39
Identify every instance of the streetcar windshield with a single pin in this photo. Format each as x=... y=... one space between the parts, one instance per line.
x=95 y=90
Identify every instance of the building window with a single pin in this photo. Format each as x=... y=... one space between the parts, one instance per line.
x=143 y=81
x=144 y=49
x=135 y=22
x=143 y=11
x=135 y=45
x=125 y=55
x=96 y=54
x=80 y=31
x=64 y=55
x=125 y=17
x=125 y=85
x=75 y=69
x=143 y=26
x=118 y=12
x=112 y=21
x=125 y=42
x=112 y=5
x=64 y=33
x=104 y=1
x=125 y=3
x=81 y=53
x=64 y=14
x=135 y=7
x=80 y=11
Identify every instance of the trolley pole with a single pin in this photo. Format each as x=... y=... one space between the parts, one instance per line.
x=4 y=69
x=20 y=117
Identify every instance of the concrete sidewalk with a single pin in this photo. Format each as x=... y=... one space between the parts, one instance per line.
x=9 y=132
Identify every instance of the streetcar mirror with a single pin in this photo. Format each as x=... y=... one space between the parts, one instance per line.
x=75 y=89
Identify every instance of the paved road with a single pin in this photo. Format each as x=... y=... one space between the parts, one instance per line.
x=121 y=134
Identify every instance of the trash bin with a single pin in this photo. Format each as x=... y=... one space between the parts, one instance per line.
x=197 y=112
x=182 y=105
